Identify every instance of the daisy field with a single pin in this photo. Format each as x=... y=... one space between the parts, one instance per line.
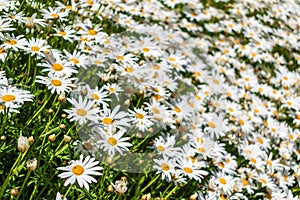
x=149 y=99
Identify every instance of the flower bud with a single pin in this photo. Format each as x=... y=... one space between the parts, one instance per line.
x=14 y=191
x=62 y=126
x=52 y=137
x=193 y=197
x=23 y=144
x=67 y=138
x=31 y=165
x=50 y=111
x=31 y=140
x=110 y=188
x=62 y=97
x=3 y=137
x=146 y=197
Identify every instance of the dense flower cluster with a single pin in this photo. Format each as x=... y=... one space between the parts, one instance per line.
x=215 y=85
x=12 y=97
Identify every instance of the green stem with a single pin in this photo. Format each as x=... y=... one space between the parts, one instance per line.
x=170 y=193
x=23 y=185
x=40 y=110
x=140 y=143
x=4 y=121
x=11 y=172
x=49 y=132
x=49 y=123
x=149 y=184
x=68 y=191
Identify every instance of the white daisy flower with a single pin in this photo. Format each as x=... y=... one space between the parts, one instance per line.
x=99 y=96
x=187 y=168
x=83 y=110
x=57 y=65
x=56 y=83
x=113 y=143
x=58 y=197
x=14 y=97
x=166 y=167
x=81 y=171
x=114 y=118
x=140 y=118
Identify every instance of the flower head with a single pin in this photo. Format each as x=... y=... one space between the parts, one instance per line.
x=81 y=171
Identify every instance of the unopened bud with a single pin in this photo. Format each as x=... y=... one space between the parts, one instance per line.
x=52 y=137
x=31 y=165
x=3 y=137
x=110 y=188
x=23 y=144
x=146 y=197
x=127 y=103
x=124 y=178
x=50 y=111
x=67 y=138
x=62 y=97
x=193 y=197
x=62 y=126
x=14 y=192
x=31 y=140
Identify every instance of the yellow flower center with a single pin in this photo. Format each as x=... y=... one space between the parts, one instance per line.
x=63 y=33
x=260 y=140
x=56 y=82
x=112 y=141
x=8 y=97
x=171 y=59
x=95 y=96
x=230 y=110
x=129 y=69
x=253 y=160
x=54 y=15
x=222 y=181
x=81 y=112
x=107 y=120
x=111 y=89
x=92 y=32
x=200 y=140
x=160 y=148
x=241 y=122
x=57 y=67
x=201 y=150
x=74 y=60
x=165 y=167
x=188 y=170
x=11 y=42
x=35 y=48
x=139 y=116
x=221 y=165
x=145 y=49
x=269 y=162
x=177 y=109
x=120 y=58
x=77 y=170
x=155 y=110
x=211 y=125
x=245 y=182
x=156 y=67
x=2 y=51
x=263 y=181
